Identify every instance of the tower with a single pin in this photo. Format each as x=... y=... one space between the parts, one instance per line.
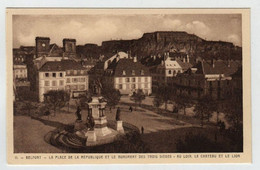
x=69 y=46
x=42 y=46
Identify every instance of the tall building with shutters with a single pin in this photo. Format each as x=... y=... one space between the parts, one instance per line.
x=67 y=75
x=128 y=75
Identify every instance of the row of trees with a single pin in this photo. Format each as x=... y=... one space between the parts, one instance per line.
x=165 y=94
x=203 y=107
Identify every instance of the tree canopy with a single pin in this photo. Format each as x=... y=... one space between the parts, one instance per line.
x=56 y=99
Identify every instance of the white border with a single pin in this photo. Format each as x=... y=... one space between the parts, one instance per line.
x=255 y=69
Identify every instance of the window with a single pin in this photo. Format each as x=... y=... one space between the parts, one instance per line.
x=61 y=75
x=75 y=80
x=133 y=79
x=133 y=72
x=139 y=79
x=124 y=72
x=68 y=80
x=46 y=83
x=145 y=85
x=170 y=72
x=53 y=74
x=61 y=82
x=133 y=86
x=120 y=86
x=74 y=87
x=146 y=79
x=127 y=80
x=82 y=79
x=54 y=83
x=82 y=87
x=120 y=80
x=46 y=74
x=68 y=87
x=81 y=71
x=142 y=72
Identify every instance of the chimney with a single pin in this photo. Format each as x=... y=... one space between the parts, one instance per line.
x=135 y=59
x=188 y=58
x=213 y=63
x=162 y=62
x=129 y=54
x=184 y=59
x=154 y=57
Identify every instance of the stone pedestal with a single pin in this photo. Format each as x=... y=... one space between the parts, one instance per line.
x=91 y=138
x=119 y=126
x=101 y=128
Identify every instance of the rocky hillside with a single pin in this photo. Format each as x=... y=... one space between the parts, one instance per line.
x=160 y=42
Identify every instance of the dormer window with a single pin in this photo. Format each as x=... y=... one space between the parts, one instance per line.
x=142 y=72
x=46 y=74
x=133 y=72
x=124 y=72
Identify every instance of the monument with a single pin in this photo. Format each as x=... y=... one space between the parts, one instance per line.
x=119 y=122
x=96 y=117
x=97 y=111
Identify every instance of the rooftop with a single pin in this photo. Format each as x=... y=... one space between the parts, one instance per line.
x=220 y=67
x=62 y=65
x=129 y=67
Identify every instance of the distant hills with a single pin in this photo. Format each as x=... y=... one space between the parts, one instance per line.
x=164 y=41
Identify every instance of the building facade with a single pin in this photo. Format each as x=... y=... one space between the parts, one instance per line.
x=129 y=75
x=65 y=75
x=212 y=78
x=19 y=71
x=171 y=65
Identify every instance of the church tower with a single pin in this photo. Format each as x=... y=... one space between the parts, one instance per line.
x=69 y=46
x=42 y=46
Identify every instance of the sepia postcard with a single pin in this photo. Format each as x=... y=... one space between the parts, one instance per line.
x=128 y=86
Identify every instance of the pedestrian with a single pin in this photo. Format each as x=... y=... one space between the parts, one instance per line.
x=130 y=108
x=142 y=129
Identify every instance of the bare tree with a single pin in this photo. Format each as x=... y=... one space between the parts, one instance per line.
x=138 y=97
x=157 y=103
x=111 y=95
x=164 y=93
x=202 y=109
x=183 y=101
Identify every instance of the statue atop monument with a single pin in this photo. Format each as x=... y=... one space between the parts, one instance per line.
x=96 y=88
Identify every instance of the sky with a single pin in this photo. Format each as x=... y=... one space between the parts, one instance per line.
x=98 y=28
